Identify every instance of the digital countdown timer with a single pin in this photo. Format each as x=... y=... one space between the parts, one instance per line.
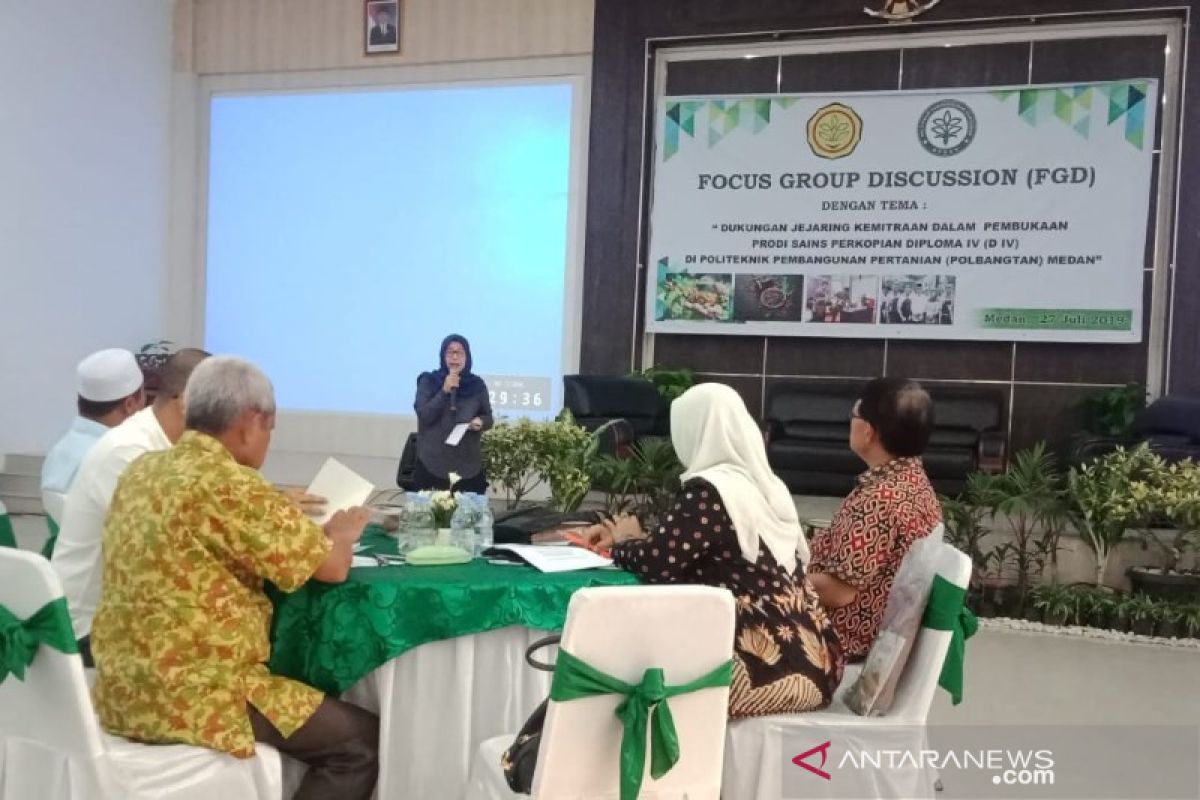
x=516 y=393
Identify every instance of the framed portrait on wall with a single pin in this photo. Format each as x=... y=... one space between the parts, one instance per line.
x=381 y=26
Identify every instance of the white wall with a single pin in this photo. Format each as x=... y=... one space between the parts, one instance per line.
x=85 y=104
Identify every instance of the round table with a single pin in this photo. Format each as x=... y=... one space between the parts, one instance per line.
x=437 y=651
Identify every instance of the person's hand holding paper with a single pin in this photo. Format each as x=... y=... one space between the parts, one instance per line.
x=311 y=504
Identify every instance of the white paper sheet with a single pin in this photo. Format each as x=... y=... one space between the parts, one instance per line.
x=341 y=487
x=457 y=433
x=554 y=558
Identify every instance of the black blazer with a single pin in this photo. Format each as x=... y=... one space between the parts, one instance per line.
x=383 y=36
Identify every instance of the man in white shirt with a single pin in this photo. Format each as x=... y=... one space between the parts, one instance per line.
x=77 y=558
x=110 y=390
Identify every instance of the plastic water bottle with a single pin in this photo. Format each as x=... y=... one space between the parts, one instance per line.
x=462 y=524
x=483 y=524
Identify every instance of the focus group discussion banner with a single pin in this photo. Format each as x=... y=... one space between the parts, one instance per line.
x=968 y=214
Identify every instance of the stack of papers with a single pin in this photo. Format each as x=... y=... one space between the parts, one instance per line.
x=556 y=558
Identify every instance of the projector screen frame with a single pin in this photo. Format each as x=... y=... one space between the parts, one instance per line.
x=357 y=435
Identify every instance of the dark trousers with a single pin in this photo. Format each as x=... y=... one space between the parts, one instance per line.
x=85 y=651
x=424 y=479
x=340 y=745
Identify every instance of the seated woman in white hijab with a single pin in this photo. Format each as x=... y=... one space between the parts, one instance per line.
x=734 y=525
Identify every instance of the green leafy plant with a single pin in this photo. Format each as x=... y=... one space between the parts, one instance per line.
x=1096 y=607
x=1059 y=604
x=1111 y=412
x=510 y=458
x=671 y=383
x=1111 y=495
x=698 y=297
x=1140 y=608
x=564 y=454
x=1189 y=619
x=519 y=456
x=1029 y=497
x=1175 y=496
x=642 y=484
x=965 y=520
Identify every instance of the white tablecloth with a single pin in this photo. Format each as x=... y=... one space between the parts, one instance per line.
x=439 y=701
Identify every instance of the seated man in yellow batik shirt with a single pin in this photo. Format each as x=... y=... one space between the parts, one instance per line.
x=181 y=634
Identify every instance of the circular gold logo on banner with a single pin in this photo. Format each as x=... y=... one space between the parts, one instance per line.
x=834 y=131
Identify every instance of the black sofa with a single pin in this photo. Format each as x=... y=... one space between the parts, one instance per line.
x=808 y=432
x=1170 y=424
x=597 y=399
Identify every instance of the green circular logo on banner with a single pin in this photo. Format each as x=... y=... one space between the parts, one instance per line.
x=947 y=127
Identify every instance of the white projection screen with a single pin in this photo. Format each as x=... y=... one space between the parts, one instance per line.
x=349 y=230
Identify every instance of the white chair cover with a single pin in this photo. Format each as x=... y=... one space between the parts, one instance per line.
x=52 y=504
x=754 y=755
x=686 y=630
x=52 y=748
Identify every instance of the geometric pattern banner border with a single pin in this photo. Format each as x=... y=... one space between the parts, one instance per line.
x=1083 y=108
x=721 y=118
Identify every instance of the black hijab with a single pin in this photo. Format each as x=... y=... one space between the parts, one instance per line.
x=469 y=384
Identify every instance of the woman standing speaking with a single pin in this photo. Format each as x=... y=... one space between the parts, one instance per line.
x=446 y=397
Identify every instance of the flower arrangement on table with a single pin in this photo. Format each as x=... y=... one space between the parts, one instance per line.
x=441 y=504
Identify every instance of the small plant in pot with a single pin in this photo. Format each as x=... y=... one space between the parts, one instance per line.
x=1058 y=604
x=1169 y=620
x=1098 y=607
x=1175 y=498
x=1143 y=613
x=1189 y=620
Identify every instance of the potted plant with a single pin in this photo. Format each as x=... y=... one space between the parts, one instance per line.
x=1109 y=496
x=510 y=457
x=1189 y=620
x=1175 y=498
x=671 y=383
x=1112 y=412
x=1143 y=613
x=642 y=484
x=965 y=523
x=1029 y=497
x=564 y=454
x=1097 y=607
x=1058 y=604
x=1170 y=617
x=995 y=589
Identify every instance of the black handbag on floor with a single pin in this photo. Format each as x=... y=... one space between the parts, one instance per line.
x=520 y=759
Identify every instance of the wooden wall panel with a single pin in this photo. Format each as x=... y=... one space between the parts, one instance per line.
x=246 y=36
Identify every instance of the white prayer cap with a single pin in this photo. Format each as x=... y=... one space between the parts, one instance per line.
x=109 y=375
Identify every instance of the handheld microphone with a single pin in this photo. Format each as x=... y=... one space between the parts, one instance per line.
x=454 y=399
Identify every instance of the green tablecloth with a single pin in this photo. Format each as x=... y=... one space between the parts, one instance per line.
x=330 y=636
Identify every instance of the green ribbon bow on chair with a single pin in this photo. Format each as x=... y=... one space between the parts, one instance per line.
x=7 y=537
x=19 y=639
x=645 y=703
x=946 y=612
